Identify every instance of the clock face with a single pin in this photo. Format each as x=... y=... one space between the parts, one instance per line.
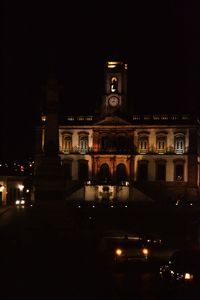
x=113 y=101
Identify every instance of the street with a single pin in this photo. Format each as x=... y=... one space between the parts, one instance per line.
x=47 y=252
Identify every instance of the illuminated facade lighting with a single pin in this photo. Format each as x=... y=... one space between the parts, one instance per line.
x=114 y=64
x=44 y=118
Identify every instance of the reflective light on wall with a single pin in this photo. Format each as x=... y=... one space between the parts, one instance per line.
x=89 y=182
x=114 y=64
x=2 y=188
x=125 y=183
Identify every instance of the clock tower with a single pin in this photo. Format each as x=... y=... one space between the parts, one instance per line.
x=115 y=88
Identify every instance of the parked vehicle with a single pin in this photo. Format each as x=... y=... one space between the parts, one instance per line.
x=182 y=269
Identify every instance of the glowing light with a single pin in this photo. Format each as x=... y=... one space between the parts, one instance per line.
x=21 y=187
x=2 y=188
x=114 y=64
x=118 y=252
x=188 y=276
x=145 y=251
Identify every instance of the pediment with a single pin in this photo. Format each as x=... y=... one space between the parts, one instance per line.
x=112 y=120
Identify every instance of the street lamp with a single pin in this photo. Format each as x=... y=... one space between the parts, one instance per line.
x=21 y=188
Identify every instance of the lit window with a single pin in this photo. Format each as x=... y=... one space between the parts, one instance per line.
x=179 y=145
x=67 y=144
x=83 y=143
x=114 y=85
x=143 y=144
x=161 y=145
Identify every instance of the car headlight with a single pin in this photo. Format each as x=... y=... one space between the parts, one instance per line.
x=17 y=202
x=22 y=201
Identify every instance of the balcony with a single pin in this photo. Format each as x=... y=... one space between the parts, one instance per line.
x=168 y=150
x=91 y=150
x=128 y=150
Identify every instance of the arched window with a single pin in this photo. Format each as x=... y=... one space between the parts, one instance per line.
x=179 y=144
x=104 y=173
x=143 y=144
x=83 y=143
x=121 y=173
x=67 y=144
x=114 y=85
x=161 y=144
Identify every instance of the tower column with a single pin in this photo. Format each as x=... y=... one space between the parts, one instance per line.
x=49 y=176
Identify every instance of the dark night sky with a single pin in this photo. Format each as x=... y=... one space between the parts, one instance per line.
x=160 y=40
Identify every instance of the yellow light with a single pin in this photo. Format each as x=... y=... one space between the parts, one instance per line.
x=118 y=252
x=21 y=187
x=188 y=276
x=44 y=118
x=145 y=251
x=113 y=64
x=2 y=188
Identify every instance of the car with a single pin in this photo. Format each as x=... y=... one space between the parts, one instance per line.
x=20 y=202
x=184 y=203
x=182 y=268
x=120 y=247
x=23 y=202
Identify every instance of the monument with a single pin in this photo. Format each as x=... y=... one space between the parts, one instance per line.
x=49 y=178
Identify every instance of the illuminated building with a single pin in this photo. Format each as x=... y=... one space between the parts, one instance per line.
x=117 y=154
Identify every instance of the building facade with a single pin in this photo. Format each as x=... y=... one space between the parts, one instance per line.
x=156 y=155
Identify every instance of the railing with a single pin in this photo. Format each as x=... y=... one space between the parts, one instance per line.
x=89 y=150
x=167 y=150
x=128 y=150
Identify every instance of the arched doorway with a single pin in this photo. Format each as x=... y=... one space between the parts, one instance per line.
x=104 y=173
x=121 y=174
